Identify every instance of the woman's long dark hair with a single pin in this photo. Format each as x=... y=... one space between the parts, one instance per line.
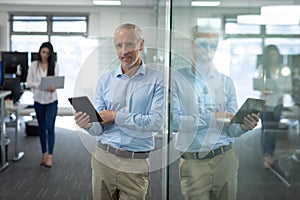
x=266 y=61
x=51 y=58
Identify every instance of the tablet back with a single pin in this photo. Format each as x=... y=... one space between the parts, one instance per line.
x=55 y=81
x=83 y=104
x=251 y=105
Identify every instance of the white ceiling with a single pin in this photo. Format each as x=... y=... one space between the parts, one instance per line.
x=150 y=3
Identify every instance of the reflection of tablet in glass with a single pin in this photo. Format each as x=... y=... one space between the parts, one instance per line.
x=251 y=105
x=55 y=81
x=83 y=104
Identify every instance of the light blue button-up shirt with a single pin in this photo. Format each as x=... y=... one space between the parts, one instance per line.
x=139 y=104
x=196 y=99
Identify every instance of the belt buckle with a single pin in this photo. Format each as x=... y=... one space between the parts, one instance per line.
x=213 y=153
x=107 y=149
x=196 y=155
x=222 y=150
x=116 y=151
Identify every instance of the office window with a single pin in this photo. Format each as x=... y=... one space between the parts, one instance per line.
x=72 y=53
x=285 y=30
x=69 y=24
x=245 y=42
x=208 y=24
x=29 y=23
x=75 y=24
x=232 y=27
x=67 y=33
x=287 y=46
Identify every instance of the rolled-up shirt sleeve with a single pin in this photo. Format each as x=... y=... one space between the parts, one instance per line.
x=95 y=129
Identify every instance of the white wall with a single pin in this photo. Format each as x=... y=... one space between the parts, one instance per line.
x=3 y=31
x=103 y=20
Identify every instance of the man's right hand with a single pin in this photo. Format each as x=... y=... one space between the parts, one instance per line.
x=82 y=120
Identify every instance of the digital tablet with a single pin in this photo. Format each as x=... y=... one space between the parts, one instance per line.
x=55 y=81
x=260 y=84
x=83 y=104
x=251 y=105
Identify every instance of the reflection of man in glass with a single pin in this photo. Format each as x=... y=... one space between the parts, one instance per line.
x=208 y=164
x=277 y=81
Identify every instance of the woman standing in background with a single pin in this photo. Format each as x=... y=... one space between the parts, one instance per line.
x=277 y=82
x=45 y=101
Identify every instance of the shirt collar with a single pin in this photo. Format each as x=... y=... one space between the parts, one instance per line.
x=141 y=70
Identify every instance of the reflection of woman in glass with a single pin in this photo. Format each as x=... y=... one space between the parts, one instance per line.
x=277 y=82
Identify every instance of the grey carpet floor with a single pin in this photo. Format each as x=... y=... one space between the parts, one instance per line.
x=70 y=176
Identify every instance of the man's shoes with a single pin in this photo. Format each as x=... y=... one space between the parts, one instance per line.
x=281 y=171
x=268 y=162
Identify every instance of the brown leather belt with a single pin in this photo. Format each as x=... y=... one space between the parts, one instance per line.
x=122 y=153
x=211 y=154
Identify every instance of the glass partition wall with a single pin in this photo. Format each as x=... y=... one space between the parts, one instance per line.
x=215 y=63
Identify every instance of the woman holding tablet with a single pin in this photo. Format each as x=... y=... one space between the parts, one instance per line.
x=45 y=100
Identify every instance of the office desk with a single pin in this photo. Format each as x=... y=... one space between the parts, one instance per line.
x=23 y=110
x=4 y=163
x=15 y=124
x=61 y=111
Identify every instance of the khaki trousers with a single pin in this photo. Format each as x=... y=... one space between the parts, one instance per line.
x=210 y=179
x=118 y=178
